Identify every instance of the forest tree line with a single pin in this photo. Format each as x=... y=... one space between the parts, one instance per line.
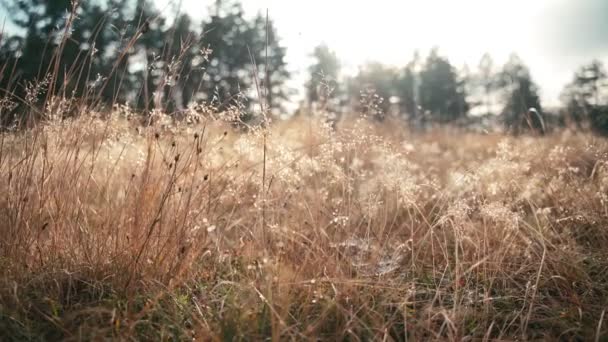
x=108 y=52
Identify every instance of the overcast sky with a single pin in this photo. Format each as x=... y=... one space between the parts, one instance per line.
x=553 y=37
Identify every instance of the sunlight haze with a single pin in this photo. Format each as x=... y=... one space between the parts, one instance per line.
x=391 y=31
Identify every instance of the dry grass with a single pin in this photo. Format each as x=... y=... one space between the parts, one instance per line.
x=114 y=229
x=110 y=229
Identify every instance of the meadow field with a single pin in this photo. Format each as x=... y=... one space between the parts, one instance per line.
x=196 y=229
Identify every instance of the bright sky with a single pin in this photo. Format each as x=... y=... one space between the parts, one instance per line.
x=553 y=37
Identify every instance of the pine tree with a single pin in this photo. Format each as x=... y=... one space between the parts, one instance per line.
x=585 y=97
x=372 y=89
x=67 y=46
x=442 y=93
x=322 y=85
x=240 y=47
x=520 y=93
